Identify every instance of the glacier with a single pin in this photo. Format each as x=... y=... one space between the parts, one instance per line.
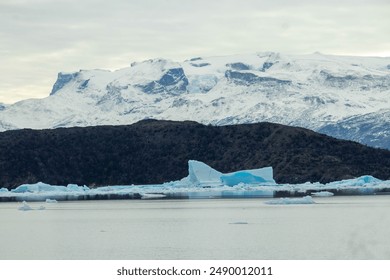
x=203 y=182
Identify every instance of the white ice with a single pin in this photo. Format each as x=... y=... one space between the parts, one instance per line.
x=201 y=174
x=42 y=187
x=202 y=182
x=24 y=207
x=357 y=182
x=152 y=196
x=322 y=194
x=287 y=200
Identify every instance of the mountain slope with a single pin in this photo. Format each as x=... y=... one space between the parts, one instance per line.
x=372 y=128
x=315 y=91
x=150 y=152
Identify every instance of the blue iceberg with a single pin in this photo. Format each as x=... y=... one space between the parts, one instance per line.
x=241 y=177
x=201 y=174
x=203 y=182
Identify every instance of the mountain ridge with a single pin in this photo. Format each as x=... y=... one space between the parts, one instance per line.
x=152 y=152
x=320 y=92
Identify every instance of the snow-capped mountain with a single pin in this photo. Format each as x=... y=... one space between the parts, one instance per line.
x=345 y=97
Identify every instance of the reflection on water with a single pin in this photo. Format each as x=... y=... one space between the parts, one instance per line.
x=356 y=227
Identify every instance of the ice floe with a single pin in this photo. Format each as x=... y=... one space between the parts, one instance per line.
x=322 y=194
x=288 y=200
x=202 y=182
x=24 y=207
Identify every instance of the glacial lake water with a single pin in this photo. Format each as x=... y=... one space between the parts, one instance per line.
x=336 y=228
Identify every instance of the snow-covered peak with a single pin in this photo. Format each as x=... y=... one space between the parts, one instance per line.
x=155 y=65
x=78 y=81
x=313 y=91
x=150 y=70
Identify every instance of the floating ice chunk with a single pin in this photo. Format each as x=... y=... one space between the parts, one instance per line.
x=202 y=174
x=286 y=200
x=41 y=207
x=322 y=194
x=24 y=206
x=42 y=187
x=3 y=190
x=152 y=196
x=38 y=187
x=48 y=200
x=357 y=182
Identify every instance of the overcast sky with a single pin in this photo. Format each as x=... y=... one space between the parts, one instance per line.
x=39 y=38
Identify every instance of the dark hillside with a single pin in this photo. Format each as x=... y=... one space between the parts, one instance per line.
x=157 y=151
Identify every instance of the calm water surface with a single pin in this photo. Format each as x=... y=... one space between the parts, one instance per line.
x=356 y=227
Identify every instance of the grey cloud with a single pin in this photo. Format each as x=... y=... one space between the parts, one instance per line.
x=47 y=36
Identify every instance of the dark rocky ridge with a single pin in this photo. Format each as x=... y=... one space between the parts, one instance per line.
x=157 y=151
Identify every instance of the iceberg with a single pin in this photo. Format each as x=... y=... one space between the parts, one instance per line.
x=42 y=187
x=201 y=174
x=357 y=182
x=241 y=177
x=254 y=176
x=36 y=188
x=202 y=182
